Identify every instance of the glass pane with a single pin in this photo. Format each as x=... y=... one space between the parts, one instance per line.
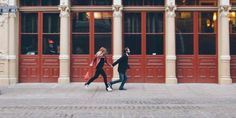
x=29 y=2
x=133 y=2
x=233 y=44
x=80 y=22
x=153 y=2
x=81 y=2
x=103 y=21
x=154 y=22
x=154 y=45
x=49 y=2
x=184 y=44
x=29 y=44
x=132 y=22
x=102 y=2
x=185 y=2
x=133 y=41
x=103 y=40
x=232 y=22
x=197 y=2
x=207 y=22
x=184 y=22
x=207 y=44
x=233 y=2
x=80 y=44
x=29 y=22
x=51 y=44
x=51 y=23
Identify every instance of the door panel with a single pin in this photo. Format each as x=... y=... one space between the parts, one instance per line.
x=49 y=69
x=185 y=69
x=136 y=71
x=233 y=68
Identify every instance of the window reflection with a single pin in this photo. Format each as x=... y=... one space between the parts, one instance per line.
x=80 y=22
x=103 y=21
x=51 y=23
x=143 y=2
x=103 y=40
x=154 y=44
x=207 y=22
x=51 y=44
x=39 y=2
x=29 y=22
x=154 y=22
x=29 y=44
x=91 y=2
x=80 y=44
x=132 y=22
x=197 y=2
x=133 y=42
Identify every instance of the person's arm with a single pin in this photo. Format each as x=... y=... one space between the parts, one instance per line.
x=118 y=61
x=93 y=61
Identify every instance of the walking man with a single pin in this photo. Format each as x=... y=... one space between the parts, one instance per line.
x=122 y=68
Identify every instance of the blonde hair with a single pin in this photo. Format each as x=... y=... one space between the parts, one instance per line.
x=101 y=52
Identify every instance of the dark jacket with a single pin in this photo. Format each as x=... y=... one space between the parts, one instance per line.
x=123 y=63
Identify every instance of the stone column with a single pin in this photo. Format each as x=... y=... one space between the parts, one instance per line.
x=223 y=45
x=117 y=34
x=170 y=42
x=64 y=75
x=13 y=47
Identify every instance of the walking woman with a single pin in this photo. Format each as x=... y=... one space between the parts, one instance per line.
x=99 y=60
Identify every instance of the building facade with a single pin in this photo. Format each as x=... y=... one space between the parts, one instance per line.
x=171 y=41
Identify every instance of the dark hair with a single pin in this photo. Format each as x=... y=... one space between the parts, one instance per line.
x=125 y=50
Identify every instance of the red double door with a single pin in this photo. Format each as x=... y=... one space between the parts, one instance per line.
x=39 y=47
x=196 y=47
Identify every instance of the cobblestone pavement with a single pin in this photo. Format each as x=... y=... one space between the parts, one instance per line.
x=139 y=101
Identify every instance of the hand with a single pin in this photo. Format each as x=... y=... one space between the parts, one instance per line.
x=91 y=64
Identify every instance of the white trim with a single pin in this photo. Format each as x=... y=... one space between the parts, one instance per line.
x=171 y=57
x=64 y=57
x=225 y=58
x=11 y=57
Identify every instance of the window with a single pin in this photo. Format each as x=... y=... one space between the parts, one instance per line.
x=197 y=2
x=29 y=33
x=207 y=35
x=92 y=2
x=232 y=31
x=233 y=2
x=132 y=32
x=143 y=2
x=103 y=32
x=154 y=33
x=184 y=33
x=39 y=2
x=51 y=30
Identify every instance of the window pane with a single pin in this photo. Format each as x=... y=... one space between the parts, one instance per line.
x=49 y=2
x=132 y=22
x=154 y=22
x=133 y=41
x=29 y=22
x=51 y=44
x=51 y=23
x=29 y=2
x=153 y=2
x=207 y=22
x=103 y=21
x=197 y=2
x=207 y=44
x=185 y=2
x=29 y=44
x=154 y=44
x=81 y=2
x=232 y=22
x=133 y=2
x=80 y=22
x=103 y=40
x=102 y=2
x=184 y=22
x=184 y=44
x=233 y=2
x=233 y=44
x=80 y=44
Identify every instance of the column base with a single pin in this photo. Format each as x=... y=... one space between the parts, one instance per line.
x=4 y=82
x=171 y=80
x=63 y=80
x=13 y=81
x=225 y=80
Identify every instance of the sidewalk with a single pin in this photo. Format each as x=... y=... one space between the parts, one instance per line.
x=139 y=101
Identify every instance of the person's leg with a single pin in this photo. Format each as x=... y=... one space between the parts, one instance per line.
x=117 y=81
x=123 y=81
x=104 y=77
x=94 y=77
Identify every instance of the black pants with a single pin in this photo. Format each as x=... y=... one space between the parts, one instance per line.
x=97 y=73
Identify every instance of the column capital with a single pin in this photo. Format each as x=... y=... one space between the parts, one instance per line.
x=224 y=10
x=170 y=9
x=65 y=10
x=117 y=10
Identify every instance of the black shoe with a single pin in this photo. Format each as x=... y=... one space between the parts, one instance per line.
x=122 y=89
x=109 y=84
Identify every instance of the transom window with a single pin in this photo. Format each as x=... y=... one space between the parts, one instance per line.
x=92 y=2
x=39 y=2
x=143 y=2
x=197 y=2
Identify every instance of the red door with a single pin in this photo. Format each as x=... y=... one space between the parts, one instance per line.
x=196 y=47
x=232 y=31
x=143 y=34
x=90 y=31
x=39 y=47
